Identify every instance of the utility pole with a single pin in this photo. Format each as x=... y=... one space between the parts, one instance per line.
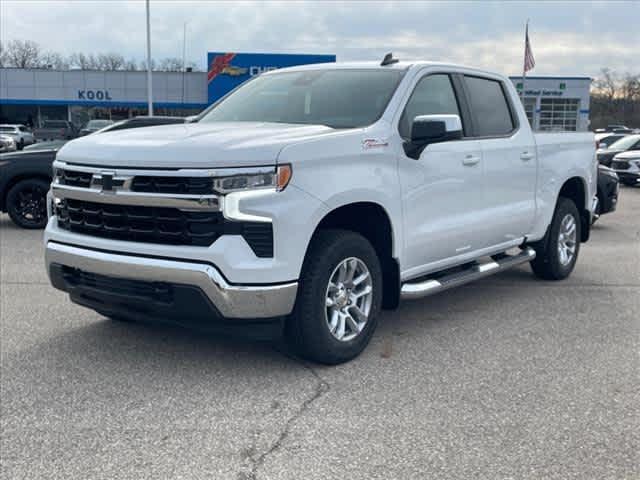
x=149 y=82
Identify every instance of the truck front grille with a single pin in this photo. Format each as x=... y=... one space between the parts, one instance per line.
x=168 y=226
x=179 y=185
x=74 y=178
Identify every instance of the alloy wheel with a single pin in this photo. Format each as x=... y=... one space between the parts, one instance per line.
x=349 y=298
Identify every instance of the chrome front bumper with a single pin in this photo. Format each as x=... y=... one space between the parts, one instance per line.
x=232 y=301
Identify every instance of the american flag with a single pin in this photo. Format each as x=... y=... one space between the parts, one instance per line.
x=529 y=61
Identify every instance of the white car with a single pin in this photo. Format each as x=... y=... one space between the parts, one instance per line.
x=20 y=133
x=627 y=166
x=7 y=144
x=311 y=197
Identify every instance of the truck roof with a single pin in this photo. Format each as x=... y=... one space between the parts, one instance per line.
x=375 y=65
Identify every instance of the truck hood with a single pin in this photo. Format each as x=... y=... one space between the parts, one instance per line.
x=198 y=145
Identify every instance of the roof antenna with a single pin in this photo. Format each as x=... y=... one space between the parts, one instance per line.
x=388 y=60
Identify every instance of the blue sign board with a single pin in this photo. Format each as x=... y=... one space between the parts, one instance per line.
x=226 y=71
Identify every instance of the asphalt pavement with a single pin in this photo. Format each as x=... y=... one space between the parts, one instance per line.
x=507 y=378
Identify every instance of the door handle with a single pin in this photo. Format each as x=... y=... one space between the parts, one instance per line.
x=470 y=160
x=526 y=156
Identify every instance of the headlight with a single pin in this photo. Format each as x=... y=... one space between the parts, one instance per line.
x=254 y=179
x=608 y=172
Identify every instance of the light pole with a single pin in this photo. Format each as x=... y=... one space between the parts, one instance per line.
x=149 y=82
x=184 y=54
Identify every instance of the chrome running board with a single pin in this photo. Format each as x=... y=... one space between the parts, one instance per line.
x=437 y=282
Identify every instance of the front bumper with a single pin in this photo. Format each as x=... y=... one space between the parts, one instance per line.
x=230 y=301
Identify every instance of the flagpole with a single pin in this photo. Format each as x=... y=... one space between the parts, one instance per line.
x=524 y=63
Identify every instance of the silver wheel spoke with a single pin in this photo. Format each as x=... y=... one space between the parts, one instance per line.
x=360 y=278
x=333 y=323
x=353 y=325
x=341 y=326
x=361 y=316
x=365 y=291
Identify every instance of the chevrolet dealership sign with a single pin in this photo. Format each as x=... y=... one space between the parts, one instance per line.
x=226 y=71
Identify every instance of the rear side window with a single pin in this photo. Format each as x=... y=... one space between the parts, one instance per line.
x=433 y=95
x=489 y=107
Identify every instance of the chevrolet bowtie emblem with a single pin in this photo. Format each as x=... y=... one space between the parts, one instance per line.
x=107 y=182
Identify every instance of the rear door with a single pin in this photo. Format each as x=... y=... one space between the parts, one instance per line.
x=442 y=189
x=509 y=159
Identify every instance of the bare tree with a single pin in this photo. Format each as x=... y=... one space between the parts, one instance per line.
x=23 y=54
x=3 y=56
x=143 y=64
x=131 y=65
x=83 y=61
x=615 y=99
x=607 y=84
x=54 y=60
x=171 y=64
x=111 y=61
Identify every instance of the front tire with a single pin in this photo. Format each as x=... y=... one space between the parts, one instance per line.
x=339 y=298
x=557 y=253
x=27 y=203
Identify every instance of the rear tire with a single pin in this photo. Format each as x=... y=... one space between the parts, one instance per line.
x=341 y=279
x=557 y=253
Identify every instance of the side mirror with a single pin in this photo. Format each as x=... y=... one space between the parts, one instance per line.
x=427 y=129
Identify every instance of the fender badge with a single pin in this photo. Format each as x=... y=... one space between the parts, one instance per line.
x=369 y=143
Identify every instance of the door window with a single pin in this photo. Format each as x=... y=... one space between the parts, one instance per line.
x=433 y=95
x=489 y=107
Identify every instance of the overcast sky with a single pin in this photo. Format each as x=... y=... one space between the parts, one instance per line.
x=567 y=37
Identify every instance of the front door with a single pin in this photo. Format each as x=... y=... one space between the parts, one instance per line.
x=442 y=191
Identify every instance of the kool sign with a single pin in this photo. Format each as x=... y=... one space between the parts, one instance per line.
x=94 y=95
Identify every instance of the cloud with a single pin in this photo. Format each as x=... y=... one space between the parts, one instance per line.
x=567 y=37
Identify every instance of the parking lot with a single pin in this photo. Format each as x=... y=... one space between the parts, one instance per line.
x=508 y=378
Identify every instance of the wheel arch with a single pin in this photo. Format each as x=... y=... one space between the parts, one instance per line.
x=576 y=190
x=372 y=221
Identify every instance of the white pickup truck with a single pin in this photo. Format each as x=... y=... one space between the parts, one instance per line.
x=311 y=197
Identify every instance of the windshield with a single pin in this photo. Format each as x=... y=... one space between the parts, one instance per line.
x=625 y=142
x=335 y=98
x=7 y=129
x=98 y=123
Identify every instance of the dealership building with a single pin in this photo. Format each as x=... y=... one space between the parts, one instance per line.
x=31 y=96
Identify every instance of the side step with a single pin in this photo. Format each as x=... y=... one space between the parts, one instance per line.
x=436 y=284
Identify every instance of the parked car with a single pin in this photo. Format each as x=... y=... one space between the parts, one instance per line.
x=604 y=140
x=20 y=134
x=628 y=142
x=24 y=181
x=7 y=144
x=93 y=126
x=55 y=130
x=52 y=145
x=311 y=197
x=607 y=193
x=627 y=166
x=24 y=174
